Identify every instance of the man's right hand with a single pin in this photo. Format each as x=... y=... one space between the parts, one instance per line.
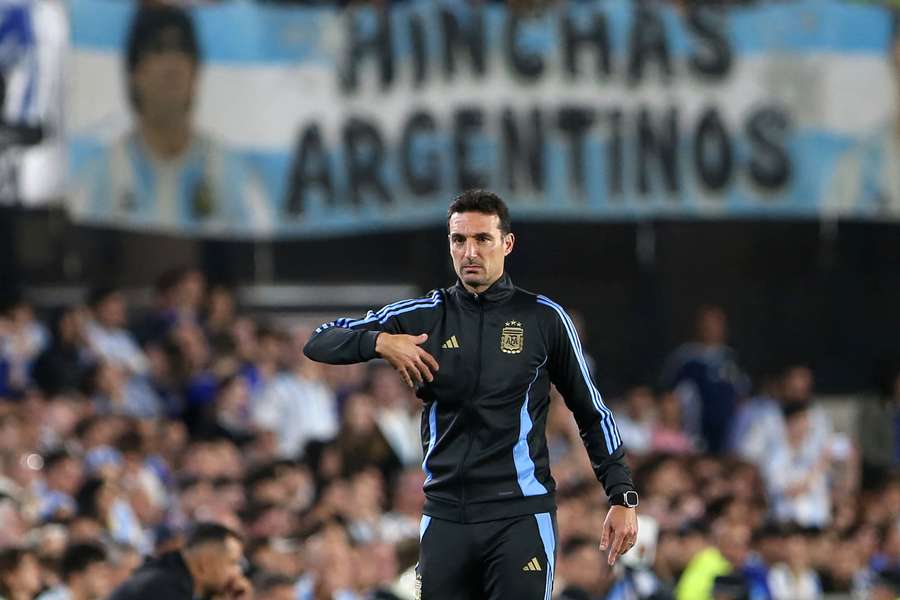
x=403 y=353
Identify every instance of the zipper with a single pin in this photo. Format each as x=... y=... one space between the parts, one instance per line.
x=466 y=409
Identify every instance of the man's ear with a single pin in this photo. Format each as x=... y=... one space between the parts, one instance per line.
x=509 y=240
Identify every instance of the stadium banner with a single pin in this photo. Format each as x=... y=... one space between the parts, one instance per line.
x=310 y=121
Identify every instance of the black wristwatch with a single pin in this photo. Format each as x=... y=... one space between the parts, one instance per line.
x=628 y=499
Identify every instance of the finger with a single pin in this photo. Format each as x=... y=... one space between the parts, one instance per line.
x=424 y=371
x=604 y=537
x=405 y=377
x=421 y=338
x=413 y=372
x=616 y=549
x=429 y=360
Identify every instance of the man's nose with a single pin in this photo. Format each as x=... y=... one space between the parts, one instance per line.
x=471 y=249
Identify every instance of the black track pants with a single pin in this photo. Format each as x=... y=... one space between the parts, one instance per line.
x=496 y=560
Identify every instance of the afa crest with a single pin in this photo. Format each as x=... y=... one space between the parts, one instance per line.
x=512 y=338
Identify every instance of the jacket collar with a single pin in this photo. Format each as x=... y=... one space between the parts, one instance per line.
x=500 y=291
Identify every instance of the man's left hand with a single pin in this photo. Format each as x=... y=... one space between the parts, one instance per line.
x=619 y=532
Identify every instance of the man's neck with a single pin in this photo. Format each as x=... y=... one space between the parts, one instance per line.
x=191 y=564
x=168 y=140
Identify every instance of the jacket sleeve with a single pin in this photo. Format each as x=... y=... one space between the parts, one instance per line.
x=569 y=373
x=346 y=341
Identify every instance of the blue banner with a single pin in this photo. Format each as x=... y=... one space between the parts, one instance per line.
x=246 y=120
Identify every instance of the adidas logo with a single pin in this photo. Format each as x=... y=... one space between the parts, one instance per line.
x=533 y=565
x=451 y=343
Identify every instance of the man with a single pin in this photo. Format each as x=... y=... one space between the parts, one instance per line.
x=585 y=577
x=165 y=173
x=64 y=475
x=107 y=334
x=297 y=405
x=708 y=381
x=866 y=182
x=209 y=566
x=489 y=526
x=20 y=574
x=271 y=586
x=721 y=570
x=84 y=573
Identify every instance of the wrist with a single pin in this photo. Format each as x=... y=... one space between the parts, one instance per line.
x=379 y=343
x=628 y=499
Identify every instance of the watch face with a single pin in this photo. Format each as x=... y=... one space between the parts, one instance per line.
x=631 y=499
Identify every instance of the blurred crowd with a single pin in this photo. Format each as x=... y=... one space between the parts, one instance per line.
x=121 y=427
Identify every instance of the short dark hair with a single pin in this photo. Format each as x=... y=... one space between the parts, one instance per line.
x=791 y=409
x=574 y=544
x=11 y=558
x=99 y=295
x=206 y=532
x=484 y=202
x=55 y=457
x=149 y=22
x=145 y=35
x=78 y=557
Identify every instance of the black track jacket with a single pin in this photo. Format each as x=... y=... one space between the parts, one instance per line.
x=486 y=410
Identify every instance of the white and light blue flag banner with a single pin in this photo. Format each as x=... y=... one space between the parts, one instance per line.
x=318 y=122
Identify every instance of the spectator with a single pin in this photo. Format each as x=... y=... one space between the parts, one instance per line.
x=84 y=573
x=396 y=413
x=61 y=366
x=105 y=502
x=360 y=441
x=764 y=424
x=106 y=333
x=668 y=435
x=178 y=295
x=22 y=338
x=726 y=557
x=584 y=575
x=886 y=587
x=878 y=430
x=794 y=579
x=20 y=576
x=708 y=381
x=271 y=586
x=297 y=405
x=637 y=421
x=64 y=473
x=797 y=472
x=219 y=316
x=209 y=564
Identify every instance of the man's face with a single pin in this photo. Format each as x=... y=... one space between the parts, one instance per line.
x=66 y=476
x=219 y=565
x=586 y=569
x=478 y=248
x=95 y=583
x=164 y=77
x=27 y=578
x=712 y=326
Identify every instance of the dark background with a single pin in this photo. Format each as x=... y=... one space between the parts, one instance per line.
x=794 y=291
